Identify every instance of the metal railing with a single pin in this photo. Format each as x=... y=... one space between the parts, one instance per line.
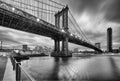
x=21 y=74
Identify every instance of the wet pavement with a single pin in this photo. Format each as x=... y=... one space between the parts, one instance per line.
x=3 y=62
x=6 y=69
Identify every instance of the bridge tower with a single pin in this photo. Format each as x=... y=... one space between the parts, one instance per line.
x=64 y=48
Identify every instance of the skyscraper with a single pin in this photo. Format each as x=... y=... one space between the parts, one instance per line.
x=97 y=45
x=25 y=47
x=109 y=39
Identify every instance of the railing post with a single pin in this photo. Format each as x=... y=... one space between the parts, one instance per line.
x=18 y=71
x=17 y=64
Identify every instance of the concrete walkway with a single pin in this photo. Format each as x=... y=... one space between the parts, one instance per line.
x=9 y=74
x=3 y=63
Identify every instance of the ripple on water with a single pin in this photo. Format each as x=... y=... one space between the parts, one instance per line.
x=93 y=68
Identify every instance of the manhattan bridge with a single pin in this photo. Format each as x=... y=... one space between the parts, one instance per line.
x=47 y=18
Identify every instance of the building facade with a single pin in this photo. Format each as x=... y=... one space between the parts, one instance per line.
x=97 y=45
x=25 y=47
x=76 y=50
x=109 y=39
x=119 y=49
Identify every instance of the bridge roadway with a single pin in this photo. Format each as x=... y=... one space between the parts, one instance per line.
x=14 y=18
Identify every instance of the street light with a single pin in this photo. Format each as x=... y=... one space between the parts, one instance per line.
x=76 y=36
x=13 y=9
x=62 y=31
x=38 y=20
x=71 y=34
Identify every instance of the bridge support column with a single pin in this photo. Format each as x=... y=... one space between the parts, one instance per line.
x=64 y=38
x=64 y=51
x=56 y=47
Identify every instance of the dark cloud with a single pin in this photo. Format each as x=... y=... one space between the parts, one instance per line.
x=102 y=10
x=10 y=36
x=92 y=6
x=94 y=36
x=5 y=37
x=116 y=35
x=113 y=11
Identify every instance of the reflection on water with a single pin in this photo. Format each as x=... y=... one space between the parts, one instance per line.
x=97 y=68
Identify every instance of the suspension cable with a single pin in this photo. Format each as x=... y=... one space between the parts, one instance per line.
x=48 y=4
x=39 y=10
x=76 y=29
x=57 y=3
x=78 y=25
x=35 y=6
x=75 y=21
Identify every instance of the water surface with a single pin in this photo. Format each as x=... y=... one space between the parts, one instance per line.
x=95 y=68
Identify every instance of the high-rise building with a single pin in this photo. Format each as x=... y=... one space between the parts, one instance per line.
x=119 y=49
x=76 y=50
x=25 y=47
x=109 y=39
x=39 y=48
x=97 y=45
x=1 y=44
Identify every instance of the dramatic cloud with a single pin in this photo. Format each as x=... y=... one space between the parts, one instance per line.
x=91 y=5
x=4 y=36
x=93 y=16
x=17 y=38
x=113 y=11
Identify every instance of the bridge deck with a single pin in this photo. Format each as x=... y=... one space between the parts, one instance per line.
x=23 y=21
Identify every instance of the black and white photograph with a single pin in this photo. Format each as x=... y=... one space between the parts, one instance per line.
x=59 y=40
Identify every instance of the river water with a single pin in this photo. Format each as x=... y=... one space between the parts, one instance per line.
x=95 y=68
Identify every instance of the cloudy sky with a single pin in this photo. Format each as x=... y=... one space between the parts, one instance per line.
x=93 y=16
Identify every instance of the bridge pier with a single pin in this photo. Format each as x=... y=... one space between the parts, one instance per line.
x=64 y=51
x=56 y=47
x=64 y=38
x=56 y=50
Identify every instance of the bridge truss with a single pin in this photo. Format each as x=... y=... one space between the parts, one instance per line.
x=43 y=11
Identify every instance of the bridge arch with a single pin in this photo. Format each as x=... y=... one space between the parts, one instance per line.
x=4 y=6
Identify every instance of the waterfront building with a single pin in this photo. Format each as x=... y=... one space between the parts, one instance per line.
x=76 y=50
x=25 y=47
x=97 y=45
x=42 y=49
x=109 y=39
x=38 y=48
x=115 y=50
x=119 y=49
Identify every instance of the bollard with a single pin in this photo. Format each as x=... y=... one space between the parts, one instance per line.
x=18 y=71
